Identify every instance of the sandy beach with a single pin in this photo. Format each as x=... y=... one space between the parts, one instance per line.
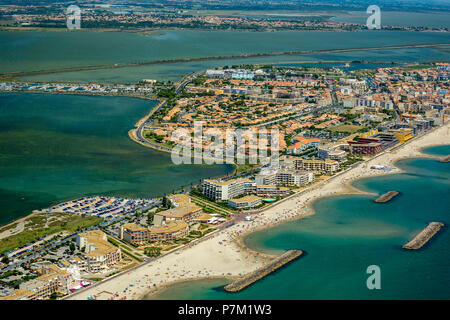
x=224 y=256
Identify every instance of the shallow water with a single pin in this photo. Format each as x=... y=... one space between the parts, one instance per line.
x=58 y=147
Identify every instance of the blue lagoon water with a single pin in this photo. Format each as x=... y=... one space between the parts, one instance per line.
x=33 y=51
x=59 y=147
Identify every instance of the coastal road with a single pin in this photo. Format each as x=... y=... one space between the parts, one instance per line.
x=140 y=128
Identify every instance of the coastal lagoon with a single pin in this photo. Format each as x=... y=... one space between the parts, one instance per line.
x=174 y=71
x=37 y=50
x=347 y=234
x=59 y=147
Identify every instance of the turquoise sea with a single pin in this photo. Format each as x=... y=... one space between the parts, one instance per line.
x=349 y=233
x=59 y=147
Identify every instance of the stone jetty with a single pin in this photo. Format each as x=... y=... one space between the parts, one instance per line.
x=256 y=275
x=387 y=196
x=424 y=236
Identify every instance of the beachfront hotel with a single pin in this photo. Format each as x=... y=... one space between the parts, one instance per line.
x=326 y=165
x=293 y=178
x=219 y=190
x=268 y=182
x=52 y=280
x=284 y=177
x=137 y=234
x=187 y=214
x=168 y=225
x=246 y=202
x=337 y=152
x=300 y=144
x=271 y=191
x=365 y=146
x=402 y=134
x=99 y=253
x=184 y=210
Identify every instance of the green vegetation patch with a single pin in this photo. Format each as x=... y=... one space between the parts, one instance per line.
x=66 y=222
x=153 y=251
x=347 y=128
x=131 y=255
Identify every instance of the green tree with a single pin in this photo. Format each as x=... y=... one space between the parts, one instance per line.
x=153 y=251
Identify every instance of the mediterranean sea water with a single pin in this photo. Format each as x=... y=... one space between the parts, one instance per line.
x=349 y=233
x=59 y=147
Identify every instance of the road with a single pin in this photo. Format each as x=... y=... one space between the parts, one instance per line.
x=140 y=129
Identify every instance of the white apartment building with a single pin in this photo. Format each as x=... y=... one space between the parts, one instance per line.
x=99 y=253
x=219 y=190
x=287 y=176
x=294 y=178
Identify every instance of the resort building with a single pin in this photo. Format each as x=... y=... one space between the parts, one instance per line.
x=286 y=177
x=402 y=134
x=387 y=140
x=169 y=232
x=52 y=280
x=266 y=177
x=223 y=190
x=335 y=152
x=137 y=234
x=134 y=233
x=82 y=264
x=293 y=178
x=99 y=253
x=250 y=201
x=187 y=213
x=364 y=147
x=300 y=144
x=271 y=191
x=179 y=200
x=19 y=294
x=184 y=210
x=317 y=165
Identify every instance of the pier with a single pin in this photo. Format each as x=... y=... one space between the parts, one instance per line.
x=445 y=159
x=388 y=196
x=424 y=236
x=256 y=275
